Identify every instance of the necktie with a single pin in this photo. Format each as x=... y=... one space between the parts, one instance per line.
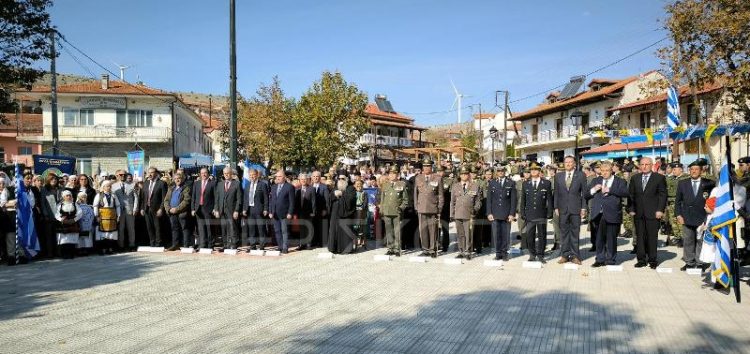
x=535 y=184
x=203 y=189
x=645 y=180
x=226 y=186
x=150 y=190
x=464 y=188
x=252 y=193
x=278 y=190
x=568 y=180
x=695 y=188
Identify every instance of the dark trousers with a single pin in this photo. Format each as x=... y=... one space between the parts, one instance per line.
x=647 y=232
x=281 y=232
x=445 y=239
x=501 y=236
x=126 y=230
x=606 y=240
x=318 y=232
x=153 y=225
x=536 y=237
x=229 y=231
x=691 y=245
x=256 y=231
x=306 y=231
x=205 y=235
x=181 y=234
x=48 y=238
x=570 y=235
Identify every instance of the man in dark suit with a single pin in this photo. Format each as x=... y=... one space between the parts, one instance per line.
x=648 y=192
x=154 y=190
x=501 y=211
x=203 y=199
x=177 y=205
x=320 y=212
x=570 y=206
x=304 y=200
x=689 y=207
x=255 y=209
x=281 y=209
x=536 y=209
x=227 y=207
x=606 y=193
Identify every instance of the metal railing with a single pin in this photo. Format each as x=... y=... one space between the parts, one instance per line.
x=109 y=133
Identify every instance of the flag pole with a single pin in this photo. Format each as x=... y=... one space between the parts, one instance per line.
x=734 y=256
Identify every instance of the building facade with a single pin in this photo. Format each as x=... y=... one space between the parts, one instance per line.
x=99 y=121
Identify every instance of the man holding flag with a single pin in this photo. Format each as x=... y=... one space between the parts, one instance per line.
x=26 y=245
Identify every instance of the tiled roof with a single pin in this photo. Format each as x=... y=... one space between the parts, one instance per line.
x=545 y=108
x=684 y=91
x=373 y=110
x=391 y=123
x=28 y=123
x=116 y=87
x=484 y=116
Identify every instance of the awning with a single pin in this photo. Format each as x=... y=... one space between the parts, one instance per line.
x=195 y=159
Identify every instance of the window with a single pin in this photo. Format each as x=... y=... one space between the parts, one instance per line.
x=140 y=118
x=585 y=122
x=645 y=120
x=559 y=126
x=73 y=117
x=83 y=165
x=24 y=150
x=692 y=114
x=2 y=153
x=534 y=132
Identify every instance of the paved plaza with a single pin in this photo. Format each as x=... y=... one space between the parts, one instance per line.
x=174 y=303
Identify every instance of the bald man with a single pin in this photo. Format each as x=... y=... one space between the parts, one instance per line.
x=648 y=192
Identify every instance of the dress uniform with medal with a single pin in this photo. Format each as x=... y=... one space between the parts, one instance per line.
x=465 y=202
x=501 y=210
x=536 y=209
x=428 y=202
x=393 y=200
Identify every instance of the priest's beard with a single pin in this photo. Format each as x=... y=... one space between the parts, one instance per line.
x=341 y=185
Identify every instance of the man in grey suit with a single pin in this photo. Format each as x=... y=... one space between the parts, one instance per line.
x=202 y=200
x=227 y=207
x=124 y=191
x=255 y=210
x=570 y=206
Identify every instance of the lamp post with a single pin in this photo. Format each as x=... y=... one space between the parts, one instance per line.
x=575 y=117
x=493 y=136
x=380 y=140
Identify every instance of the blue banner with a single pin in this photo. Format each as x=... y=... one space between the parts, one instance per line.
x=135 y=163
x=45 y=165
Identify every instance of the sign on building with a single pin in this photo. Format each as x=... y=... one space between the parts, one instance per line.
x=103 y=102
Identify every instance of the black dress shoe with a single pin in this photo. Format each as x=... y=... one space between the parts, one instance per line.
x=555 y=247
x=497 y=258
x=641 y=264
x=460 y=255
x=434 y=255
x=505 y=257
x=532 y=258
x=592 y=249
x=633 y=251
x=685 y=267
x=597 y=264
x=653 y=265
x=468 y=257
x=541 y=260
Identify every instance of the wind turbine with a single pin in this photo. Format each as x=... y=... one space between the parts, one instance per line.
x=459 y=98
x=122 y=70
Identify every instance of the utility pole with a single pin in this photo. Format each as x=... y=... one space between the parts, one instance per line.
x=53 y=90
x=232 y=88
x=505 y=127
x=481 y=132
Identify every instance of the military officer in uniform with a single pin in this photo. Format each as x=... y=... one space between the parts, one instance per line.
x=501 y=211
x=445 y=212
x=465 y=203
x=428 y=202
x=551 y=171
x=627 y=219
x=393 y=199
x=672 y=182
x=521 y=223
x=536 y=209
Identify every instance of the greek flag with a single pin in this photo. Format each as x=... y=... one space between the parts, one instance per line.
x=673 y=108
x=721 y=219
x=26 y=239
x=245 y=166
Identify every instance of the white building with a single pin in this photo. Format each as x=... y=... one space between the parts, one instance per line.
x=548 y=132
x=99 y=121
x=484 y=122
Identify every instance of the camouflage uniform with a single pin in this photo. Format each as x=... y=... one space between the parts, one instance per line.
x=671 y=194
x=627 y=220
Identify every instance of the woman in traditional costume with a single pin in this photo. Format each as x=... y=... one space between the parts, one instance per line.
x=107 y=212
x=68 y=214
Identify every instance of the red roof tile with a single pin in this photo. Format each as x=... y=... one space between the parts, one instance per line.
x=116 y=87
x=373 y=110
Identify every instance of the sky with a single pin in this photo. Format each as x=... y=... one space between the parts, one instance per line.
x=409 y=50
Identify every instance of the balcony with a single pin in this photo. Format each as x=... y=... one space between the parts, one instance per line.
x=369 y=139
x=108 y=134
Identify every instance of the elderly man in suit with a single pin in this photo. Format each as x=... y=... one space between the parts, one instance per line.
x=320 y=211
x=428 y=201
x=606 y=193
x=501 y=211
x=202 y=201
x=126 y=195
x=305 y=200
x=255 y=209
x=648 y=192
x=690 y=202
x=154 y=190
x=177 y=205
x=570 y=207
x=281 y=209
x=227 y=207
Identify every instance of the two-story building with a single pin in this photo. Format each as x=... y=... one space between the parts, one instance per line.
x=551 y=130
x=99 y=121
x=14 y=129
x=484 y=122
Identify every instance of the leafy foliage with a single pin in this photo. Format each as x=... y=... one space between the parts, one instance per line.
x=24 y=39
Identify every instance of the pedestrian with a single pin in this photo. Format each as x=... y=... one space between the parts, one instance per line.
x=281 y=209
x=177 y=205
x=51 y=195
x=227 y=207
x=67 y=231
x=536 y=209
x=501 y=211
x=392 y=200
x=153 y=193
x=428 y=202
x=606 y=193
x=689 y=210
x=124 y=190
x=343 y=204
x=255 y=210
x=361 y=227
x=202 y=206
x=648 y=192
x=465 y=203
x=86 y=225
x=107 y=210
x=305 y=200
x=570 y=207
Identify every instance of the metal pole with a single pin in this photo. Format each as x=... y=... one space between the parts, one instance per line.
x=481 y=132
x=232 y=88
x=492 y=163
x=505 y=127
x=53 y=91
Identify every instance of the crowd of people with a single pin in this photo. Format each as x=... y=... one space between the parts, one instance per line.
x=409 y=206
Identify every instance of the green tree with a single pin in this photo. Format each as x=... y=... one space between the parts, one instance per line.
x=710 y=43
x=24 y=39
x=328 y=121
x=470 y=139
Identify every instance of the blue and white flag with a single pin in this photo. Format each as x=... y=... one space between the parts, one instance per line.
x=673 y=108
x=720 y=228
x=245 y=165
x=26 y=238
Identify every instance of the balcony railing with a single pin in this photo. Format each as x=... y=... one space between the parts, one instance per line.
x=101 y=133
x=384 y=140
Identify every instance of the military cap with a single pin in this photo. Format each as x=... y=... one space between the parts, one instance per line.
x=440 y=168
x=393 y=169
x=702 y=162
x=695 y=163
x=535 y=166
x=426 y=162
x=500 y=168
x=676 y=164
x=745 y=159
x=663 y=167
x=552 y=167
x=464 y=170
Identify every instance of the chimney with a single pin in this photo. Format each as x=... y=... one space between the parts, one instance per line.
x=105 y=81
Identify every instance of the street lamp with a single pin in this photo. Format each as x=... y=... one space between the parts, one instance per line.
x=575 y=117
x=380 y=140
x=493 y=136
